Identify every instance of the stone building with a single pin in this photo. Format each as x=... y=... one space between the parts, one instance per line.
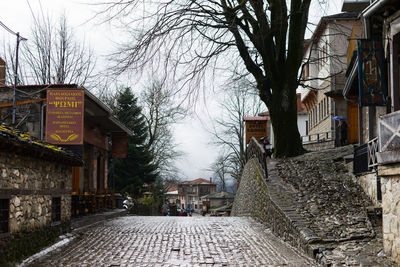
x=35 y=192
x=373 y=84
x=103 y=136
x=190 y=193
x=323 y=80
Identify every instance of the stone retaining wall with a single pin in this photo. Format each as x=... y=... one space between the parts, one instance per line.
x=254 y=199
x=390 y=179
x=369 y=185
x=319 y=145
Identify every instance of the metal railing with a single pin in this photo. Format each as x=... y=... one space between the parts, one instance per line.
x=372 y=150
x=318 y=137
x=360 y=163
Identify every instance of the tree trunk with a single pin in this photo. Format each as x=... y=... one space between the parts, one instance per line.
x=283 y=112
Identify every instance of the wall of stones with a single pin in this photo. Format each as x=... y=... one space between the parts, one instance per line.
x=369 y=185
x=30 y=184
x=390 y=184
x=319 y=146
x=253 y=200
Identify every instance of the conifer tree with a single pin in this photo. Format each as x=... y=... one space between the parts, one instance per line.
x=136 y=169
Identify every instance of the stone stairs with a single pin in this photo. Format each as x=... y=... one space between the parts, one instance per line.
x=316 y=190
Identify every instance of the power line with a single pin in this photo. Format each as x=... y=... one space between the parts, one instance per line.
x=12 y=32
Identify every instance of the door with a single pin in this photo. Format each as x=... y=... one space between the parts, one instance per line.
x=352 y=115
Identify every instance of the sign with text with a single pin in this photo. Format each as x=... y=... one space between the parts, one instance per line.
x=64 y=116
x=371 y=77
x=256 y=129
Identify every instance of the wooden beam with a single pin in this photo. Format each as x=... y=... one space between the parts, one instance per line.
x=9 y=104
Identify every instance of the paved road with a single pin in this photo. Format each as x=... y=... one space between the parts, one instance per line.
x=175 y=241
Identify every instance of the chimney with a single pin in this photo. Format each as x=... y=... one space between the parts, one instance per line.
x=2 y=72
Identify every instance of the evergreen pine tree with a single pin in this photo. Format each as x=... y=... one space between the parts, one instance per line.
x=137 y=168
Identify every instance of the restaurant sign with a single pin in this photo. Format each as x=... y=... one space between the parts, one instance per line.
x=371 y=79
x=256 y=129
x=64 y=116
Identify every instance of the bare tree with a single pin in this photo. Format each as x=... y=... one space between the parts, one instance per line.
x=267 y=35
x=221 y=171
x=229 y=128
x=161 y=112
x=53 y=56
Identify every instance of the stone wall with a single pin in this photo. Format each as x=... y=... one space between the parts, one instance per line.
x=369 y=185
x=319 y=145
x=30 y=184
x=390 y=180
x=254 y=199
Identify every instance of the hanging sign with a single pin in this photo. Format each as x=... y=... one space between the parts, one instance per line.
x=64 y=116
x=371 y=79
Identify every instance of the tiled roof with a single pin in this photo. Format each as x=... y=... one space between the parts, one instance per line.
x=24 y=144
x=257 y=118
x=198 y=181
x=170 y=187
x=219 y=195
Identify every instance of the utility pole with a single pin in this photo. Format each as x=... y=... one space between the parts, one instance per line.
x=14 y=108
x=19 y=39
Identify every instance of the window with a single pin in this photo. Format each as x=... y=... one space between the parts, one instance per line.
x=56 y=209
x=4 y=215
x=307 y=127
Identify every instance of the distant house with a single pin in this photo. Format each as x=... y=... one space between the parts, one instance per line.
x=219 y=199
x=190 y=193
x=171 y=194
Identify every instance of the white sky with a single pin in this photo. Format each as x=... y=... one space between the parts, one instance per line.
x=190 y=134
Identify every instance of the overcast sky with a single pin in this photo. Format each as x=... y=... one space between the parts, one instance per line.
x=194 y=140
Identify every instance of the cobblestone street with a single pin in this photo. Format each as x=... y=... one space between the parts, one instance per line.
x=175 y=241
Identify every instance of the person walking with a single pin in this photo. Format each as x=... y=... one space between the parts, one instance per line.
x=343 y=132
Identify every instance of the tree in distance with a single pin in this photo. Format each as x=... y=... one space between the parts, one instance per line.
x=137 y=168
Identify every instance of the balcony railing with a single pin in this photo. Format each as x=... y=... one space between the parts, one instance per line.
x=318 y=137
x=372 y=150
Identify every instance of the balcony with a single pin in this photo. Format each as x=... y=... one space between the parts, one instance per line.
x=389 y=138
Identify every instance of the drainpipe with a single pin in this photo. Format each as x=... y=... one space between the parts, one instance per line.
x=42 y=122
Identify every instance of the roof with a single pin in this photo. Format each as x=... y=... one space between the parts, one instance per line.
x=220 y=195
x=355 y=5
x=24 y=144
x=95 y=110
x=324 y=21
x=108 y=120
x=170 y=187
x=256 y=118
x=198 y=181
x=301 y=108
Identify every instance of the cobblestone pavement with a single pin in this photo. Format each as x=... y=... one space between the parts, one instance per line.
x=175 y=241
